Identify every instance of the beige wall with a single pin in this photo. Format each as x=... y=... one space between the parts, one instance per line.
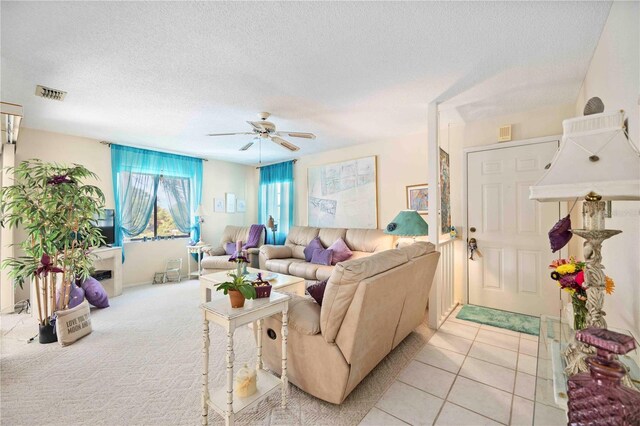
x=399 y=163
x=455 y=137
x=614 y=76
x=145 y=258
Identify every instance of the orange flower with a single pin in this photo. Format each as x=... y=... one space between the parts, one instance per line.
x=609 y=285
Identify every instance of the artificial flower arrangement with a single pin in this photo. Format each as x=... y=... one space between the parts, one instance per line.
x=570 y=276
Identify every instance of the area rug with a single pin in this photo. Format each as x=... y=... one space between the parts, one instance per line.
x=142 y=366
x=503 y=319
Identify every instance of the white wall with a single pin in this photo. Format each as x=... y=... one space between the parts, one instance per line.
x=614 y=76
x=145 y=258
x=399 y=163
x=455 y=137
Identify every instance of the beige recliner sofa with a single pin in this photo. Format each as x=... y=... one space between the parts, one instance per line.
x=370 y=305
x=289 y=259
x=216 y=259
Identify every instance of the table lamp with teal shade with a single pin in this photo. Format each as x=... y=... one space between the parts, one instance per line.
x=408 y=223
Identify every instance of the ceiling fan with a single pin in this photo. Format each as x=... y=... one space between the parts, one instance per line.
x=264 y=129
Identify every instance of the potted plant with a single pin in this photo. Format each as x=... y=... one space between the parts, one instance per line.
x=239 y=288
x=57 y=211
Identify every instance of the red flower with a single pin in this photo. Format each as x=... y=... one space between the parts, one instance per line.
x=580 y=278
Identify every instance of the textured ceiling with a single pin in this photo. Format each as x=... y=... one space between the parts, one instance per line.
x=164 y=74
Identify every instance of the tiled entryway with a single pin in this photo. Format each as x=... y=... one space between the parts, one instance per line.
x=467 y=374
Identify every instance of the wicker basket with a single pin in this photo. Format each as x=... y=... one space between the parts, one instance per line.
x=263 y=291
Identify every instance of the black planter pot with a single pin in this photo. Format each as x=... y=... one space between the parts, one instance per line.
x=47 y=334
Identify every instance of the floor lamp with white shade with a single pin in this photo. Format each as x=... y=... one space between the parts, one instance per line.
x=596 y=162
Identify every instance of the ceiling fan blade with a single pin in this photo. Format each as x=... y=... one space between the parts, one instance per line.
x=230 y=134
x=257 y=126
x=283 y=143
x=246 y=147
x=297 y=135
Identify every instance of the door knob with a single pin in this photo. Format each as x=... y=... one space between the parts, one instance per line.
x=473 y=246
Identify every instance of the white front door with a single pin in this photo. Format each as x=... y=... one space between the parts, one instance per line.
x=509 y=270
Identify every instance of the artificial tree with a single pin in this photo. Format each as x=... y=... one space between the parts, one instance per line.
x=57 y=211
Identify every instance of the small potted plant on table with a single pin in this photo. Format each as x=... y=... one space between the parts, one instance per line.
x=239 y=288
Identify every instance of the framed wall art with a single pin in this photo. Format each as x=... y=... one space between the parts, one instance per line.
x=230 y=202
x=242 y=205
x=218 y=205
x=418 y=198
x=343 y=195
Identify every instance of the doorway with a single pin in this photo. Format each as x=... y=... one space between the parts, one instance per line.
x=509 y=268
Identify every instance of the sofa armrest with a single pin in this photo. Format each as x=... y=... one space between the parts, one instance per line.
x=273 y=252
x=254 y=257
x=215 y=251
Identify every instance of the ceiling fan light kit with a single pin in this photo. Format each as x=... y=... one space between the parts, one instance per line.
x=264 y=129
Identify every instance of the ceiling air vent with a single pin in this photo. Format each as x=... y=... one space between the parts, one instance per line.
x=504 y=133
x=49 y=93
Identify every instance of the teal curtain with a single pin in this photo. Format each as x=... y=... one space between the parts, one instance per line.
x=275 y=198
x=136 y=177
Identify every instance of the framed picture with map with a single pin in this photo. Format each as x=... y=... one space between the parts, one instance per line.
x=343 y=195
x=418 y=198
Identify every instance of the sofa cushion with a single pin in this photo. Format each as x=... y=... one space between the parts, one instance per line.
x=281 y=266
x=343 y=284
x=298 y=238
x=419 y=248
x=304 y=270
x=314 y=245
x=329 y=236
x=217 y=262
x=303 y=315
x=340 y=251
x=323 y=272
x=322 y=257
x=369 y=240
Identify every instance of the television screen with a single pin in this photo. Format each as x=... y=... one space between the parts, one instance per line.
x=106 y=223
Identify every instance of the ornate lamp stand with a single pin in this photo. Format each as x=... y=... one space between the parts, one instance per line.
x=594 y=234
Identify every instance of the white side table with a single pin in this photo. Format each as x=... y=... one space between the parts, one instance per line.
x=197 y=249
x=220 y=312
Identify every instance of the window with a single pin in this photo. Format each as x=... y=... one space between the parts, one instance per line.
x=172 y=197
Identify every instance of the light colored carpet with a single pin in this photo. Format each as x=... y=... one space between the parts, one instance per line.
x=142 y=365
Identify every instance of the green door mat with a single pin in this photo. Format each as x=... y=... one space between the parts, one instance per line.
x=503 y=319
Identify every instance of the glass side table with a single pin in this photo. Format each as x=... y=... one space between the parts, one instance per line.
x=551 y=382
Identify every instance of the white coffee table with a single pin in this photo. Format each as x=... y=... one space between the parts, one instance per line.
x=281 y=283
x=219 y=311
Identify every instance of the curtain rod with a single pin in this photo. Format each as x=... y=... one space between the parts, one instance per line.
x=271 y=164
x=166 y=152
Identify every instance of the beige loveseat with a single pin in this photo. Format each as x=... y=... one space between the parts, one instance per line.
x=216 y=258
x=289 y=259
x=370 y=305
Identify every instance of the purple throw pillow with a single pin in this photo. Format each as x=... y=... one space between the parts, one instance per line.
x=95 y=293
x=76 y=296
x=560 y=234
x=230 y=248
x=314 y=245
x=322 y=257
x=317 y=291
x=340 y=251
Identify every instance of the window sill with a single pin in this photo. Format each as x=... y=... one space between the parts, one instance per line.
x=140 y=241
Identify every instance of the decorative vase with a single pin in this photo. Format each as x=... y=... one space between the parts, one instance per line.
x=47 y=334
x=236 y=298
x=579 y=313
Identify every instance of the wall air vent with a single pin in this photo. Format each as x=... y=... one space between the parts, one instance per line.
x=504 y=133
x=49 y=93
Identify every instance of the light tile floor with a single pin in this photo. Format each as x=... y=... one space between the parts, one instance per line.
x=467 y=374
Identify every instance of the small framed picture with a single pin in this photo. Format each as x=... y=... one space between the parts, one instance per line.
x=218 y=205
x=242 y=205
x=418 y=198
x=231 y=202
